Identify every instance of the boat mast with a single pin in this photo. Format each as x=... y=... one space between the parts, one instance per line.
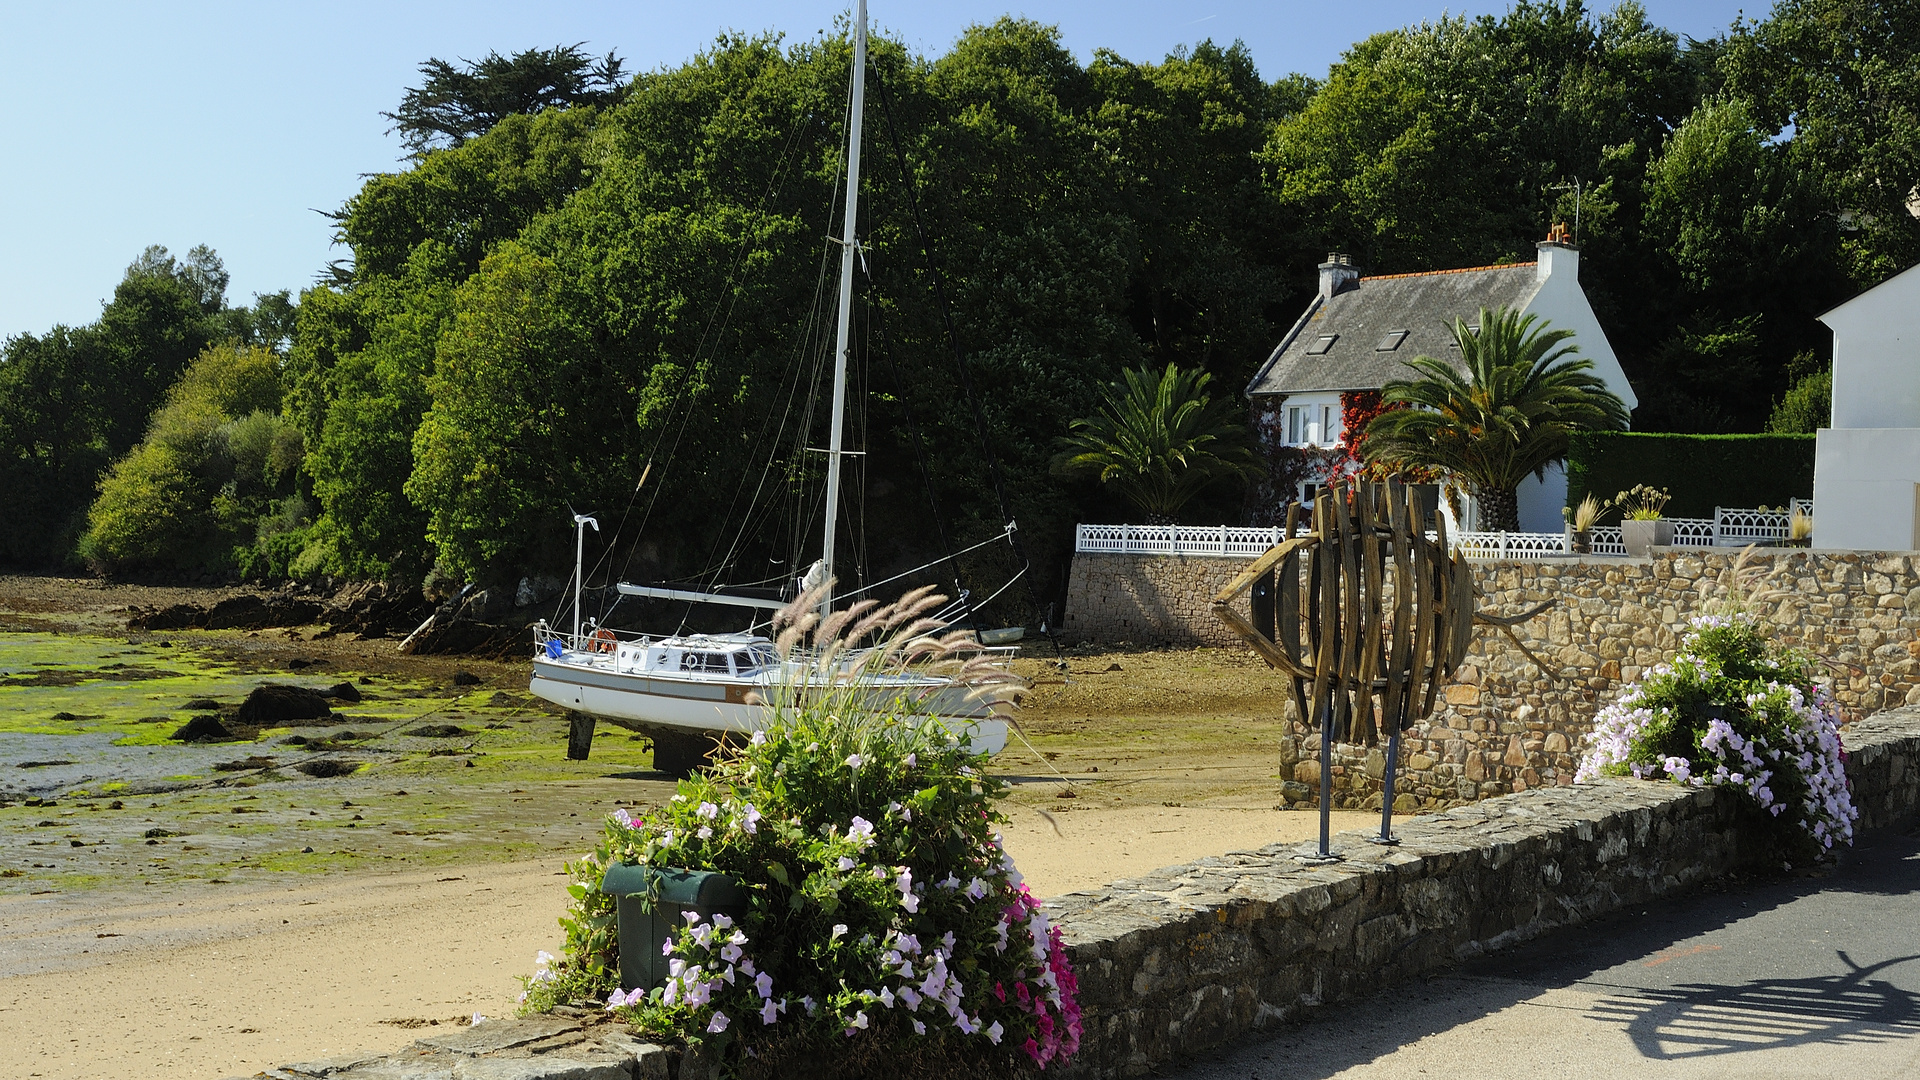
x=849 y=247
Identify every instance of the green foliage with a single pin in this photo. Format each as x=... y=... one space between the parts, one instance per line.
x=1806 y=408
x=1439 y=145
x=455 y=104
x=1159 y=439
x=1701 y=471
x=217 y=459
x=76 y=398
x=1508 y=417
x=1842 y=74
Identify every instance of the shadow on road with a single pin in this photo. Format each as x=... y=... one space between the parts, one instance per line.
x=1704 y=1020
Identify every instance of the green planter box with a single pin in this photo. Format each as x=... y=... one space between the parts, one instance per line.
x=649 y=904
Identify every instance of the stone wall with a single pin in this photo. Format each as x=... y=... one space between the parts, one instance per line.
x=1148 y=599
x=1194 y=957
x=1504 y=725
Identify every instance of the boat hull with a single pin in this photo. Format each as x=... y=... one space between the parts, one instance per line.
x=647 y=704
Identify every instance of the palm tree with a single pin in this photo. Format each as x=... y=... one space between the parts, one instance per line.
x=1160 y=439
x=1506 y=416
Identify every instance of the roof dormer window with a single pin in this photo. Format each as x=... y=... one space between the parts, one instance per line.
x=1322 y=344
x=1391 y=341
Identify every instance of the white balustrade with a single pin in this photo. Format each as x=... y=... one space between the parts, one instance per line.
x=1726 y=528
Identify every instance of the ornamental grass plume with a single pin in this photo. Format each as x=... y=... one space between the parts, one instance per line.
x=887 y=931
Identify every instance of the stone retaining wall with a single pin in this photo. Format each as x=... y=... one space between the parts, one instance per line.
x=1504 y=725
x=1194 y=957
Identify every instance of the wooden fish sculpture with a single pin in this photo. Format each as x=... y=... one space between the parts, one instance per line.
x=1367 y=604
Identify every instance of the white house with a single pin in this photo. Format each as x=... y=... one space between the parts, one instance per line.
x=1866 y=467
x=1358 y=332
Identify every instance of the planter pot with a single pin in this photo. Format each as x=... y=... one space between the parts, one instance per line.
x=649 y=901
x=1583 y=543
x=1641 y=537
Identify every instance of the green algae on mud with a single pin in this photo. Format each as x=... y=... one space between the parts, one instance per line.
x=496 y=787
x=523 y=801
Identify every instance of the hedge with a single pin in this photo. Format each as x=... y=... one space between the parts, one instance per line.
x=1700 y=471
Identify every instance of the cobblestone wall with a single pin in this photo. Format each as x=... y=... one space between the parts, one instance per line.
x=1503 y=725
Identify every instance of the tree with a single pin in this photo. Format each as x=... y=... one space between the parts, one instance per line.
x=74 y=399
x=455 y=104
x=1506 y=417
x=1841 y=76
x=1159 y=439
x=213 y=463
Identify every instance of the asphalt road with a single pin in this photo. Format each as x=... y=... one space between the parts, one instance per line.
x=1808 y=977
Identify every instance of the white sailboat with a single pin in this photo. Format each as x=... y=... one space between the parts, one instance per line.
x=686 y=690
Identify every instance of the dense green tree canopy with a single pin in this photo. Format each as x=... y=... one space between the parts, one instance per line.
x=74 y=399
x=588 y=292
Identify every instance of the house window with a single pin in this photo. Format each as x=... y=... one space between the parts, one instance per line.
x=1322 y=344
x=1391 y=341
x=1313 y=425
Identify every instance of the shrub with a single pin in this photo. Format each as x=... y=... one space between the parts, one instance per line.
x=887 y=931
x=215 y=457
x=1732 y=710
x=1701 y=471
x=1806 y=408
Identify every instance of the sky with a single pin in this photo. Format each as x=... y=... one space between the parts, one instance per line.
x=230 y=124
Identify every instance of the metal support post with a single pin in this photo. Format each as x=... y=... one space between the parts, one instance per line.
x=1325 y=854
x=1386 y=796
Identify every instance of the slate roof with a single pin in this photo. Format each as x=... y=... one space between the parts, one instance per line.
x=1361 y=315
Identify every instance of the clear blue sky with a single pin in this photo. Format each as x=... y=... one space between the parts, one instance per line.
x=127 y=124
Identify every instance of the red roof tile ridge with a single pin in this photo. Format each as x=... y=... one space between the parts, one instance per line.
x=1433 y=273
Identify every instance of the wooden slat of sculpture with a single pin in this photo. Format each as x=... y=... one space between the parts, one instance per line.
x=1353 y=605
x=1287 y=608
x=1400 y=654
x=1421 y=611
x=1326 y=612
x=1351 y=651
x=1365 y=722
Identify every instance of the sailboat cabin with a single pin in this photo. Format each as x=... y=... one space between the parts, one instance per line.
x=735 y=655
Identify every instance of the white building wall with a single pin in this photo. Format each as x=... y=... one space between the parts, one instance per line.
x=1876 y=355
x=1561 y=301
x=1866 y=488
x=1867 y=464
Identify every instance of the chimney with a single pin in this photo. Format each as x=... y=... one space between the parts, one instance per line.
x=1338 y=274
x=1557 y=256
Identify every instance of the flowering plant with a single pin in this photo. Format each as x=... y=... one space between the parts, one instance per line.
x=1729 y=710
x=886 y=930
